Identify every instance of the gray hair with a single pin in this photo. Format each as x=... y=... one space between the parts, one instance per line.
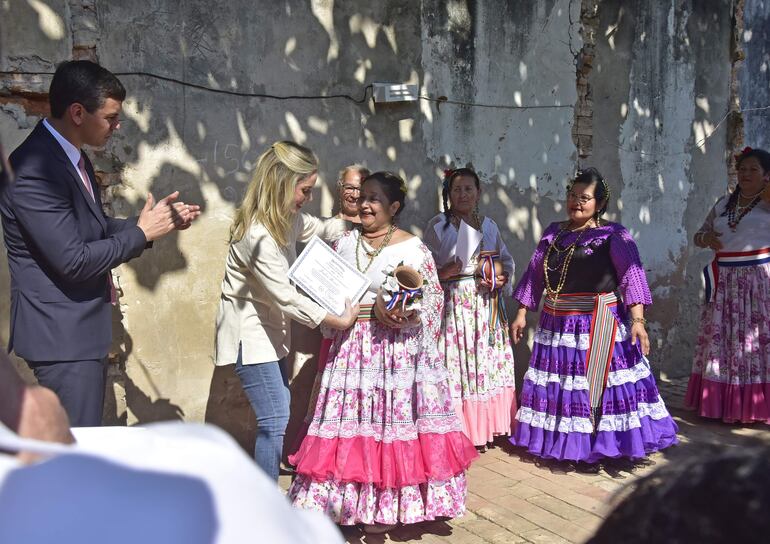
x=360 y=168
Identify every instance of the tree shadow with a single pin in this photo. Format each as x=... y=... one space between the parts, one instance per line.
x=412 y=532
x=228 y=407
x=165 y=255
x=121 y=390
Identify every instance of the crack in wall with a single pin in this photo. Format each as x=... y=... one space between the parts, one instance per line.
x=735 y=124
x=582 y=128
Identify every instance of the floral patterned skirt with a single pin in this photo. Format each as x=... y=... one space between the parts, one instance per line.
x=384 y=444
x=554 y=418
x=730 y=377
x=480 y=365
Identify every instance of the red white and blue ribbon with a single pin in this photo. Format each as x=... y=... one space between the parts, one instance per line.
x=489 y=260
x=403 y=296
x=497 y=311
x=730 y=259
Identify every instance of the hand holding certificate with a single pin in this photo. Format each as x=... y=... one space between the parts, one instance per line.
x=327 y=278
x=468 y=240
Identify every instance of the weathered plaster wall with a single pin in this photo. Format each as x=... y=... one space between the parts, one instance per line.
x=660 y=84
x=646 y=83
x=754 y=73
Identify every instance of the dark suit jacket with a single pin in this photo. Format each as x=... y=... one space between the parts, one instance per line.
x=61 y=247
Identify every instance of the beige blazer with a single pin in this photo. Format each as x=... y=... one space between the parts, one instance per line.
x=257 y=298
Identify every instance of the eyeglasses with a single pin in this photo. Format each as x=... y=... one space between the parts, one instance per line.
x=583 y=199
x=351 y=189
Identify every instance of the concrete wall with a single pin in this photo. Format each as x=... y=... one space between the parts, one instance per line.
x=661 y=84
x=645 y=84
x=755 y=73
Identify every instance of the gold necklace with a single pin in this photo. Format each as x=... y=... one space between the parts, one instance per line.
x=569 y=250
x=372 y=254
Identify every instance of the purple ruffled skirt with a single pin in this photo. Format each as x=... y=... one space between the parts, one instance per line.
x=553 y=420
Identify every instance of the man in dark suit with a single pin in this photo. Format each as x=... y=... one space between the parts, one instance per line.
x=61 y=246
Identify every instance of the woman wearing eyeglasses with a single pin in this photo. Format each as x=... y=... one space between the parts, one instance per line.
x=589 y=392
x=348 y=190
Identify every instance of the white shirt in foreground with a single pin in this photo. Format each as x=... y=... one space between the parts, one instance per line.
x=164 y=483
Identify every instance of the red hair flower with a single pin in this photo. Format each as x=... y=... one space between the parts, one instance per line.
x=448 y=172
x=745 y=150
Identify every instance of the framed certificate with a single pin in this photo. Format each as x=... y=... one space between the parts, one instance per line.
x=327 y=278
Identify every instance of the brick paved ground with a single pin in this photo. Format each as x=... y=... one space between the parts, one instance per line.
x=516 y=498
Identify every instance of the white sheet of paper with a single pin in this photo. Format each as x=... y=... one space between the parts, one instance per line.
x=327 y=278
x=468 y=240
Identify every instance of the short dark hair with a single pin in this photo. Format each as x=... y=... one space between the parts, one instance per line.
x=711 y=496
x=392 y=185
x=591 y=175
x=83 y=82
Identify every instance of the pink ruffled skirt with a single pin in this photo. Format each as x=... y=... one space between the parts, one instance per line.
x=480 y=364
x=730 y=377
x=384 y=444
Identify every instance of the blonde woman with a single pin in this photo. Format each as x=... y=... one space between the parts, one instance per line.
x=258 y=301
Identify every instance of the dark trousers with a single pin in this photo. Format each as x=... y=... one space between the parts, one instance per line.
x=79 y=386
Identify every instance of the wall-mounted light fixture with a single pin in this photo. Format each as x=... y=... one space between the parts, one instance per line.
x=394 y=92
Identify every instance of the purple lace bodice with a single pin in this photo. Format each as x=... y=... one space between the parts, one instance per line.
x=624 y=255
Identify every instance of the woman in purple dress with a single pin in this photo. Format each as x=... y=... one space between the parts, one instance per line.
x=589 y=392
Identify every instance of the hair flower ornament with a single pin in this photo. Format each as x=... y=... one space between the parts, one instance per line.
x=743 y=151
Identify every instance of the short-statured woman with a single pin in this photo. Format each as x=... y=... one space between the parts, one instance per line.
x=385 y=445
x=474 y=337
x=589 y=392
x=258 y=301
x=730 y=377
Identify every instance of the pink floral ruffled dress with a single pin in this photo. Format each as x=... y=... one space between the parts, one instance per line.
x=480 y=364
x=385 y=444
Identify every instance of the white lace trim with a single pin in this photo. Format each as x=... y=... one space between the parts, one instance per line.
x=541 y=378
x=388 y=380
x=614 y=423
x=439 y=424
x=575 y=341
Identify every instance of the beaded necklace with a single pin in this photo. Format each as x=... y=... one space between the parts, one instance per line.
x=568 y=251
x=372 y=254
x=737 y=212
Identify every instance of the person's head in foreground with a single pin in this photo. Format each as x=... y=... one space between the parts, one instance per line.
x=709 y=498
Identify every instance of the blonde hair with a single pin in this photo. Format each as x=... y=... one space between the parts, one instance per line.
x=269 y=199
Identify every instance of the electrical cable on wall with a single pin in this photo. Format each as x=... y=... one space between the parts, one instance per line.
x=439 y=100
x=366 y=91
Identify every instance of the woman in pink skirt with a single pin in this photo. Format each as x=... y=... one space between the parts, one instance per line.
x=474 y=334
x=731 y=371
x=385 y=445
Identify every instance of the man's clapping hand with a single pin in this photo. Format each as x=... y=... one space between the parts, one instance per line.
x=157 y=220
